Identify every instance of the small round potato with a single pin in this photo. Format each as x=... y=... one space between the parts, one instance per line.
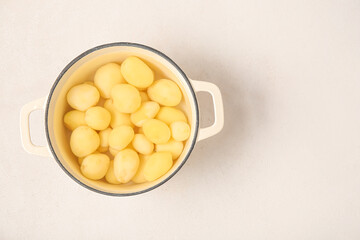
x=147 y=111
x=144 y=97
x=156 y=131
x=126 y=164
x=97 y=118
x=165 y=92
x=120 y=137
x=83 y=96
x=84 y=141
x=180 y=131
x=137 y=73
x=95 y=166
x=139 y=176
x=169 y=115
x=110 y=176
x=172 y=146
x=126 y=98
x=104 y=140
x=158 y=164
x=117 y=118
x=74 y=119
x=106 y=77
x=142 y=145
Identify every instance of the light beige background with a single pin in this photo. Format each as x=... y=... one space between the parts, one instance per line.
x=286 y=165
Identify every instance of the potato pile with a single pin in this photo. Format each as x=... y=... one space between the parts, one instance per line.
x=136 y=134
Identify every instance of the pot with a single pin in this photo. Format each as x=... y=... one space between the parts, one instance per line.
x=81 y=69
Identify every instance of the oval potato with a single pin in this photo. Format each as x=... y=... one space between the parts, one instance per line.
x=84 y=141
x=126 y=164
x=165 y=92
x=83 y=96
x=95 y=166
x=156 y=131
x=136 y=72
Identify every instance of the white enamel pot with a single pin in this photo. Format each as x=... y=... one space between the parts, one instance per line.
x=81 y=69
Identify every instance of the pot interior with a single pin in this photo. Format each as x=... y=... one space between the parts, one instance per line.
x=82 y=69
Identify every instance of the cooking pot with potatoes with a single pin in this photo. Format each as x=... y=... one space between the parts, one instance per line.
x=121 y=119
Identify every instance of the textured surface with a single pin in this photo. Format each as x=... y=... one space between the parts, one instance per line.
x=286 y=165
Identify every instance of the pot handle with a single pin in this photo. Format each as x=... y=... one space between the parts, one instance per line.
x=25 y=129
x=201 y=86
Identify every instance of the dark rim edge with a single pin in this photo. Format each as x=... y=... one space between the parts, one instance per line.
x=106 y=46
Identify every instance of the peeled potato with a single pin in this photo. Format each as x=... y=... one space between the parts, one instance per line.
x=120 y=137
x=113 y=151
x=142 y=145
x=97 y=118
x=83 y=141
x=110 y=175
x=137 y=73
x=106 y=77
x=95 y=166
x=74 y=119
x=139 y=176
x=147 y=111
x=158 y=164
x=83 y=96
x=180 y=131
x=165 y=92
x=117 y=118
x=169 y=115
x=172 y=146
x=104 y=140
x=144 y=97
x=156 y=131
x=126 y=98
x=126 y=164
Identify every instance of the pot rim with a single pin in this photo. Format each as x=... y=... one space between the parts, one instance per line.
x=114 y=44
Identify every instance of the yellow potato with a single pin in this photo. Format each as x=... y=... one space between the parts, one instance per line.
x=97 y=118
x=139 y=176
x=104 y=140
x=165 y=92
x=158 y=164
x=137 y=73
x=142 y=145
x=83 y=96
x=144 y=97
x=169 y=115
x=172 y=146
x=95 y=166
x=74 y=119
x=147 y=111
x=106 y=77
x=180 y=131
x=126 y=164
x=126 y=98
x=120 y=137
x=156 y=131
x=113 y=151
x=117 y=118
x=83 y=141
x=110 y=175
